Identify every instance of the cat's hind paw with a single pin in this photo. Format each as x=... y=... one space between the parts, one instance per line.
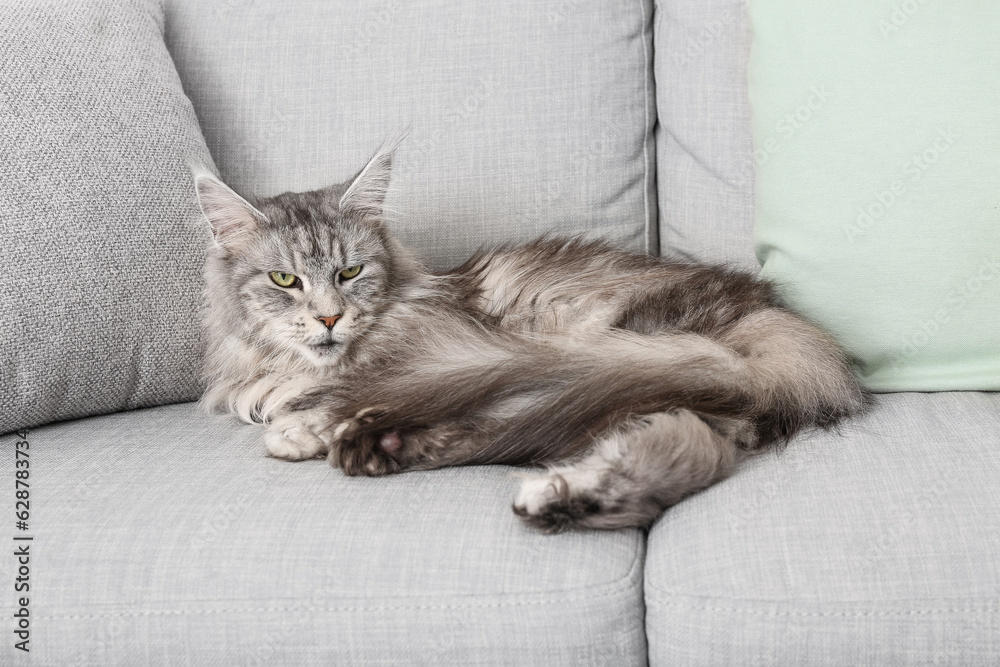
x=548 y=503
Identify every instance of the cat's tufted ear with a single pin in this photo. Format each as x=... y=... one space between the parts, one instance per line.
x=366 y=193
x=230 y=216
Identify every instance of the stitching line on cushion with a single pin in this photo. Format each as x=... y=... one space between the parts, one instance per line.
x=313 y=609
x=630 y=578
x=823 y=614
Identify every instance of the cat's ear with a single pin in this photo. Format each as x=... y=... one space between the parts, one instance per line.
x=230 y=216
x=365 y=195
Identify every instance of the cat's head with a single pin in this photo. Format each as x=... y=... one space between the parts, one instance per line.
x=299 y=276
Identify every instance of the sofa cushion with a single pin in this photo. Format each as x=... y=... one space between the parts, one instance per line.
x=875 y=546
x=103 y=244
x=878 y=206
x=171 y=539
x=704 y=163
x=525 y=117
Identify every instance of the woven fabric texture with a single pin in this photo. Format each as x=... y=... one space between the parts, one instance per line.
x=873 y=546
x=704 y=147
x=173 y=540
x=878 y=212
x=102 y=241
x=524 y=117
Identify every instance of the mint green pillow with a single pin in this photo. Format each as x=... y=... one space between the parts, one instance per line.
x=877 y=143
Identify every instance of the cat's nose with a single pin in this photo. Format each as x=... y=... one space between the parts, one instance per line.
x=329 y=321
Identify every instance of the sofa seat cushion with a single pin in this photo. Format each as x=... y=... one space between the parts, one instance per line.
x=875 y=546
x=166 y=537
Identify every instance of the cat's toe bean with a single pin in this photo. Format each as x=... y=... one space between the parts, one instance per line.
x=361 y=454
x=390 y=442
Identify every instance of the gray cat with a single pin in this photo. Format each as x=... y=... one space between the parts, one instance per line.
x=636 y=380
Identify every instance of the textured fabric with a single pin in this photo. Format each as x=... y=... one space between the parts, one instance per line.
x=525 y=117
x=165 y=537
x=875 y=546
x=878 y=208
x=101 y=237
x=704 y=164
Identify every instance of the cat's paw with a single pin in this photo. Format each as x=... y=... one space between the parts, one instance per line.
x=293 y=438
x=549 y=503
x=363 y=448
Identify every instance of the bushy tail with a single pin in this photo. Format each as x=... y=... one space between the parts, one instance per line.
x=542 y=401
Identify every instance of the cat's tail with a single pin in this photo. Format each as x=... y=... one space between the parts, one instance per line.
x=543 y=401
x=771 y=370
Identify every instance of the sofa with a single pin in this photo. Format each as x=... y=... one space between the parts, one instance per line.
x=157 y=534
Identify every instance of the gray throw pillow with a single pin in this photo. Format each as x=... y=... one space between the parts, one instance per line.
x=102 y=241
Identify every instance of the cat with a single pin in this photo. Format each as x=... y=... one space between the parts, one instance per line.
x=636 y=380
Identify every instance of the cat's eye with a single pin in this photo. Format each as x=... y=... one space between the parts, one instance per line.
x=283 y=279
x=349 y=273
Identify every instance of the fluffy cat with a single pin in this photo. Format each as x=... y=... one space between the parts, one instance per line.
x=636 y=380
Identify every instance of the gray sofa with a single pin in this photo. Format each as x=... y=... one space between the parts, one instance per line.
x=164 y=536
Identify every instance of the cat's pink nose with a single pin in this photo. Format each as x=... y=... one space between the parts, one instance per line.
x=329 y=321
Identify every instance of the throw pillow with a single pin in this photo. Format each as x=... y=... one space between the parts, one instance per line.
x=103 y=244
x=878 y=202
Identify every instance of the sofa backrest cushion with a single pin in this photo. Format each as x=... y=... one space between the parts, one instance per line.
x=103 y=242
x=524 y=117
x=704 y=164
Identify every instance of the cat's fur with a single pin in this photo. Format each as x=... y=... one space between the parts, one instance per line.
x=637 y=380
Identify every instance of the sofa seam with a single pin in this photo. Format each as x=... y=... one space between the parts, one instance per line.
x=350 y=608
x=823 y=614
x=633 y=578
x=648 y=133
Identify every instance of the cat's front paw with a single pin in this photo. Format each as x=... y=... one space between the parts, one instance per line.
x=362 y=448
x=294 y=438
